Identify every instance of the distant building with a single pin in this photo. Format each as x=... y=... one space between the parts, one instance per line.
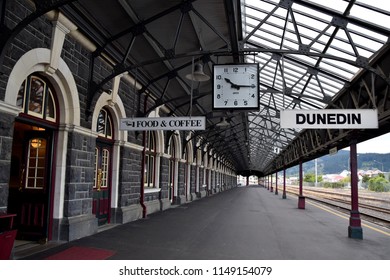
x=332 y=178
x=370 y=173
x=253 y=180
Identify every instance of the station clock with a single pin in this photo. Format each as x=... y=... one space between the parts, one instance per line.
x=236 y=86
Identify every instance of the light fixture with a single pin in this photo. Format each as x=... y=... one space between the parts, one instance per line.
x=223 y=122
x=36 y=143
x=198 y=75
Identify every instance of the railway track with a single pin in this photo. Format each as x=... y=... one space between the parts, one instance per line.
x=373 y=209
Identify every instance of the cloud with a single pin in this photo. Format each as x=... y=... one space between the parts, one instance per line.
x=380 y=145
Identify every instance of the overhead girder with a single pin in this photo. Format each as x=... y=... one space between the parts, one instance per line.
x=370 y=87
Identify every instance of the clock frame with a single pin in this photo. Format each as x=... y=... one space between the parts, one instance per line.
x=236 y=86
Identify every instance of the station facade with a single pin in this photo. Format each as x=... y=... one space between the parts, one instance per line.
x=66 y=167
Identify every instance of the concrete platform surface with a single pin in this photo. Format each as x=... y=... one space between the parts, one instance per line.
x=243 y=223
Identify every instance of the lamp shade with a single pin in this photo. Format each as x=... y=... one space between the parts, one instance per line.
x=198 y=75
x=223 y=122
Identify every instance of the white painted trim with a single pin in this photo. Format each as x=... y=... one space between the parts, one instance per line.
x=115 y=175
x=9 y=109
x=152 y=190
x=84 y=131
x=63 y=82
x=133 y=146
x=60 y=167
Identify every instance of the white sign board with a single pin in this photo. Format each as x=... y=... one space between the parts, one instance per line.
x=171 y=123
x=329 y=118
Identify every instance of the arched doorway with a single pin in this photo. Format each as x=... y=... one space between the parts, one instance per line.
x=103 y=168
x=188 y=156
x=31 y=180
x=172 y=169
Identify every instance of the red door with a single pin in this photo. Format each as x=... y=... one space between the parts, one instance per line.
x=102 y=186
x=30 y=184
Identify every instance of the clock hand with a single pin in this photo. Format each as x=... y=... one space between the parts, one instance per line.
x=233 y=85
x=251 y=86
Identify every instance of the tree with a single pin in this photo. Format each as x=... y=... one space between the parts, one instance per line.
x=311 y=178
x=346 y=180
x=366 y=178
x=378 y=184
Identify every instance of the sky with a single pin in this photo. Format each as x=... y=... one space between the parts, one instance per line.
x=380 y=145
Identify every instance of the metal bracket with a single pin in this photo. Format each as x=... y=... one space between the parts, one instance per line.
x=304 y=48
x=339 y=22
x=286 y=4
x=362 y=61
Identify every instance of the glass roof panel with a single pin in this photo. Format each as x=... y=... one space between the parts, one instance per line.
x=319 y=16
x=312 y=56
x=366 y=33
x=337 y=5
x=374 y=14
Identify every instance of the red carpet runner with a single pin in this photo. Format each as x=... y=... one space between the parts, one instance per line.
x=82 y=253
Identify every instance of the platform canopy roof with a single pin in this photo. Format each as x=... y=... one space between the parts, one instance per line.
x=312 y=54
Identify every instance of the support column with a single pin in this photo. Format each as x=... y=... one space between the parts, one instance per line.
x=284 y=196
x=247 y=180
x=267 y=182
x=276 y=183
x=301 y=198
x=272 y=187
x=355 y=229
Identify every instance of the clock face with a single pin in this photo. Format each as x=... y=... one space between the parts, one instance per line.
x=236 y=86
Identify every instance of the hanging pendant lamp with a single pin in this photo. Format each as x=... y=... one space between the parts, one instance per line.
x=198 y=75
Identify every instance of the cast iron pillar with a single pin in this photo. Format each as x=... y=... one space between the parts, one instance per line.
x=267 y=182
x=284 y=196
x=272 y=187
x=301 y=198
x=355 y=229
x=276 y=183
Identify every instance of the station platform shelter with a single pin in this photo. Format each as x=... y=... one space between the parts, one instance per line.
x=75 y=74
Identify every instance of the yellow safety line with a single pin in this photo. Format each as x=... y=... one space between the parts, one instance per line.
x=347 y=218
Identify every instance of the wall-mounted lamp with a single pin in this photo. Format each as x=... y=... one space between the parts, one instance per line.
x=36 y=143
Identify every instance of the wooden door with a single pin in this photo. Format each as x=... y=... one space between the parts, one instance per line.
x=29 y=199
x=102 y=185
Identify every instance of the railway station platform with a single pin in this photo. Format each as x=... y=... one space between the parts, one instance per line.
x=244 y=223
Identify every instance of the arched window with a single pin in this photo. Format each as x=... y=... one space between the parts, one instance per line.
x=102 y=151
x=104 y=124
x=36 y=99
x=150 y=160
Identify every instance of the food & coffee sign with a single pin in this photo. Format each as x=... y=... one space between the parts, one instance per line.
x=172 y=123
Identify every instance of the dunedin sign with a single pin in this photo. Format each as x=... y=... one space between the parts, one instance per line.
x=329 y=118
x=172 y=123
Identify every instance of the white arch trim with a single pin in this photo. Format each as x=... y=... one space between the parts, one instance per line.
x=62 y=80
x=117 y=111
x=158 y=133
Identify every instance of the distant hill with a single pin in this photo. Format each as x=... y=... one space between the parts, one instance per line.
x=335 y=164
